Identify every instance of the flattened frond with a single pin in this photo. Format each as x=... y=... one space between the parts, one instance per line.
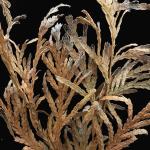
x=121 y=99
x=71 y=85
x=48 y=21
x=130 y=130
x=5 y=4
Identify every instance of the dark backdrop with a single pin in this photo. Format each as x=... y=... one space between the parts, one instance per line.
x=135 y=29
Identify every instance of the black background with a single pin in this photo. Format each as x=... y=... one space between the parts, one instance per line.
x=135 y=29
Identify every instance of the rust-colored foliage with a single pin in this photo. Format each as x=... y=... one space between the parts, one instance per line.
x=72 y=67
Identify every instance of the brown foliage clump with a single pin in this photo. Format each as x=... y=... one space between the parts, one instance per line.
x=72 y=72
